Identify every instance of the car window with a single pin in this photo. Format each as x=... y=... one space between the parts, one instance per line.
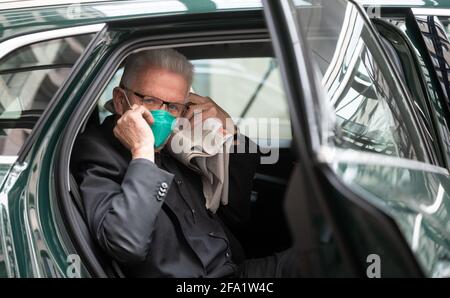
x=29 y=77
x=366 y=107
x=446 y=24
x=249 y=89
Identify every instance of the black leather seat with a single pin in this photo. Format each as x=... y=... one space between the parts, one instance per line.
x=110 y=267
x=91 y=249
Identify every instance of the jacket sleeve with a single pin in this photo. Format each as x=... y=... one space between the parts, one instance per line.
x=121 y=201
x=244 y=160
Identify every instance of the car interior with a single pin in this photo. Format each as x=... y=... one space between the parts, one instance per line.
x=257 y=92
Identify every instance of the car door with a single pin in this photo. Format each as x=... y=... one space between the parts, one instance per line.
x=33 y=66
x=369 y=166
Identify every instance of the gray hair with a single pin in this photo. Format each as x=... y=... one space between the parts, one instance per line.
x=167 y=59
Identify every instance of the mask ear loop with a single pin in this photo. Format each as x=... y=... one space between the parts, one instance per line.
x=126 y=97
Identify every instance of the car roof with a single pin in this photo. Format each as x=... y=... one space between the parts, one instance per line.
x=26 y=16
x=406 y=3
x=22 y=17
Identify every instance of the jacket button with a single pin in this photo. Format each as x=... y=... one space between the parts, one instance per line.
x=164 y=185
x=227 y=254
x=161 y=194
x=159 y=198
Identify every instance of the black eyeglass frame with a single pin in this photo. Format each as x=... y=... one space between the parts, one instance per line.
x=143 y=98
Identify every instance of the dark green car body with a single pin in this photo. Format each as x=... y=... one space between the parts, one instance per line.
x=394 y=208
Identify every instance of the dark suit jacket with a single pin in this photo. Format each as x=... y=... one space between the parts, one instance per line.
x=151 y=217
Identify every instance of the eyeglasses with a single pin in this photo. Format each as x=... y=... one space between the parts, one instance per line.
x=154 y=103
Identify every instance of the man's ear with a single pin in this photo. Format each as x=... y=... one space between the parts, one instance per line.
x=118 y=99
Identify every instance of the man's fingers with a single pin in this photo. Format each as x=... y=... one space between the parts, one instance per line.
x=196 y=108
x=197 y=99
x=136 y=112
x=148 y=117
x=206 y=114
x=131 y=110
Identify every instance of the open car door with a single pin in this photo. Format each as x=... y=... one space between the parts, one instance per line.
x=359 y=147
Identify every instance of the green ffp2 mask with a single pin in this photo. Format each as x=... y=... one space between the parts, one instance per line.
x=162 y=126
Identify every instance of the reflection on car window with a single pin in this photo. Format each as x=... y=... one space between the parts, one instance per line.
x=248 y=89
x=29 y=77
x=367 y=116
x=55 y=52
x=12 y=139
x=369 y=111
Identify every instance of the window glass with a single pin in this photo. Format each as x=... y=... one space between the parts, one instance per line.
x=446 y=25
x=249 y=89
x=64 y=51
x=29 y=78
x=367 y=110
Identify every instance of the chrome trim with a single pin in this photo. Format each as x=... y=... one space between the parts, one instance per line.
x=33 y=3
x=444 y=12
x=397 y=3
x=331 y=155
x=433 y=208
x=416 y=232
x=31 y=241
x=12 y=44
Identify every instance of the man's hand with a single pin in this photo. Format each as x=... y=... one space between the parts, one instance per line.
x=209 y=109
x=134 y=132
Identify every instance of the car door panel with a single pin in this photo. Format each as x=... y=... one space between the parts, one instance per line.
x=364 y=182
x=32 y=68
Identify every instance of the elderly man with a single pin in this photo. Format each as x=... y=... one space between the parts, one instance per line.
x=143 y=207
